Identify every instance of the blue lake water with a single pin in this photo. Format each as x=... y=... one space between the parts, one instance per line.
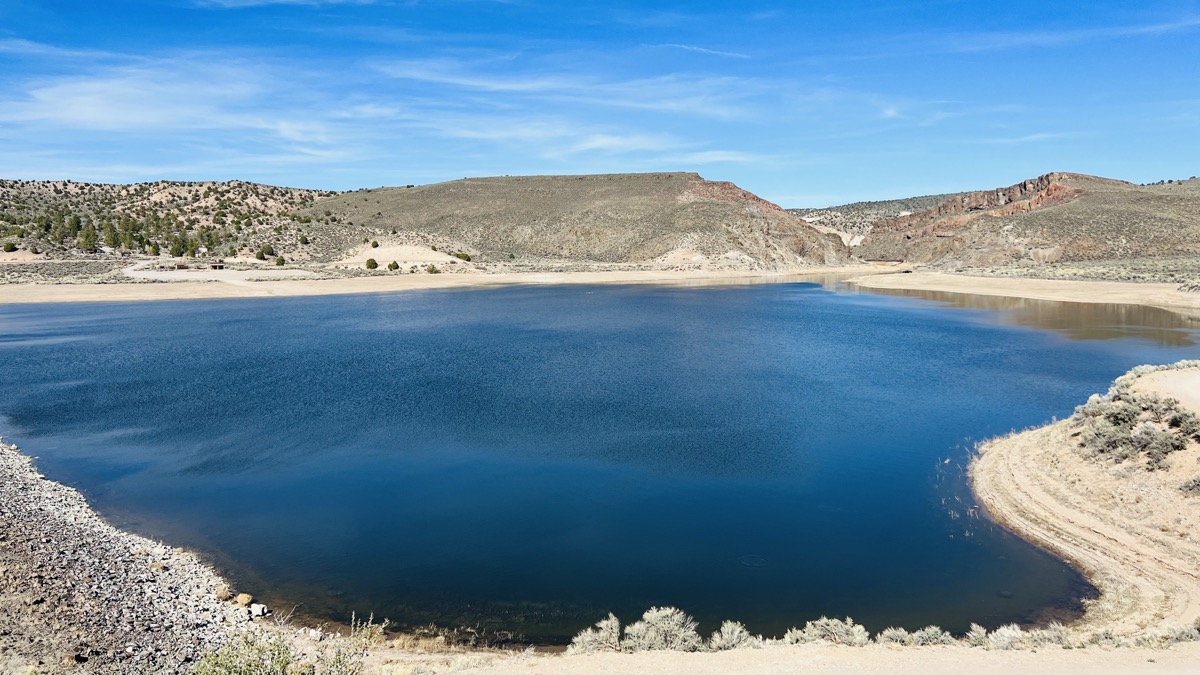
x=528 y=459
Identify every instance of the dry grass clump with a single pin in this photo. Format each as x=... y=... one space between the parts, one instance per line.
x=977 y=636
x=895 y=636
x=271 y=652
x=733 y=635
x=833 y=631
x=1122 y=425
x=932 y=635
x=663 y=628
x=1165 y=638
x=252 y=653
x=1190 y=286
x=604 y=637
x=1006 y=637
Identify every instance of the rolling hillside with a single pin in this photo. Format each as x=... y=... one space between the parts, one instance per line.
x=659 y=218
x=662 y=220
x=1055 y=218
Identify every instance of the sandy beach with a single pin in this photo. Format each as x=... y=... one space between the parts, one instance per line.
x=234 y=284
x=1166 y=296
x=1132 y=531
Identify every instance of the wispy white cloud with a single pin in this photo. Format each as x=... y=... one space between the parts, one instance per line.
x=704 y=50
x=703 y=96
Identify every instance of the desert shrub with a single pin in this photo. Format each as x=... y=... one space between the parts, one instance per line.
x=1122 y=414
x=1190 y=287
x=258 y=256
x=268 y=249
x=279 y=261
x=371 y=264
x=1192 y=487
x=732 y=635
x=432 y=269
x=1186 y=422
x=9 y=247
x=604 y=637
x=251 y=653
x=463 y=256
x=374 y=244
x=1143 y=436
x=932 y=635
x=1160 y=408
x=1006 y=637
x=1054 y=634
x=1094 y=407
x=1103 y=438
x=393 y=266
x=1106 y=638
x=895 y=636
x=835 y=631
x=304 y=239
x=1165 y=638
x=663 y=628
x=977 y=636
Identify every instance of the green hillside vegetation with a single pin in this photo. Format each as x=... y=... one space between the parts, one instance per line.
x=57 y=217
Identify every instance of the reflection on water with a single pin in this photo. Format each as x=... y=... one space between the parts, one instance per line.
x=1076 y=320
x=531 y=458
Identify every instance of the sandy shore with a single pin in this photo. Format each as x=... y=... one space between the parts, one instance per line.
x=233 y=284
x=1132 y=531
x=1166 y=296
x=949 y=660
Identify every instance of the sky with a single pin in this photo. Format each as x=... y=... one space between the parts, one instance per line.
x=804 y=103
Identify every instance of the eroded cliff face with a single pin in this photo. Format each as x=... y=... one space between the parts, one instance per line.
x=1057 y=216
x=957 y=211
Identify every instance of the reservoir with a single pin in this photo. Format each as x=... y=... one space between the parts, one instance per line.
x=525 y=460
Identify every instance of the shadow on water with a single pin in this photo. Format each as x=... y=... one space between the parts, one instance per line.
x=1075 y=320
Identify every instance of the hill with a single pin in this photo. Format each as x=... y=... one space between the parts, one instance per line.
x=661 y=220
x=1053 y=219
x=658 y=218
x=854 y=221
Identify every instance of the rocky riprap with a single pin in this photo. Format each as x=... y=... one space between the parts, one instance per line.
x=79 y=595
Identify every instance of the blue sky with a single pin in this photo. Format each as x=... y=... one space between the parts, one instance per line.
x=806 y=104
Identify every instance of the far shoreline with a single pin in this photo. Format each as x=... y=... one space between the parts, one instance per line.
x=214 y=287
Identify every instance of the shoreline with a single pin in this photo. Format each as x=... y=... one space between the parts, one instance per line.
x=1160 y=295
x=1132 y=532
x=75 y=591
x=215 y=286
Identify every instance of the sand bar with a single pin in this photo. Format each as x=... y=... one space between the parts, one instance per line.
x=1166 y=296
